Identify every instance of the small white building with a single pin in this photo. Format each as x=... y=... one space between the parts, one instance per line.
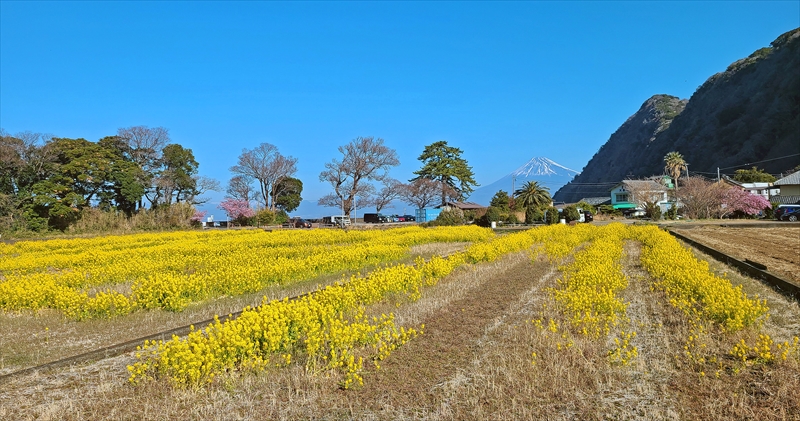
x=630 y=195
x=763 y=189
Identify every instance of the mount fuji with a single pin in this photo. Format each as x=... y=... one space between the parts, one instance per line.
x=547 y=172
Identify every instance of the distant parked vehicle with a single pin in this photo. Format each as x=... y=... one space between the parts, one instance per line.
x=337 y=220
x=300 y=223
x=410 y=218
x=375 y=218
x=587 y=216
x=788 y=213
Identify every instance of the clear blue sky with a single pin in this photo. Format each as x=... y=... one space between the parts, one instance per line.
x=503 y=81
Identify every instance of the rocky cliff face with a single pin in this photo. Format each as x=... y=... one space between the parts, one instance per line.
x=746 y=114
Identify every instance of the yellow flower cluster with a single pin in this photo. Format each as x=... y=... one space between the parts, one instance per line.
x=623 y=353
x=765 y=351
x=83 y=277
x=691 y=286
x=327 y=330
x=587 y=291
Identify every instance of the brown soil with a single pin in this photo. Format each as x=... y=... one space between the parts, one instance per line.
x=777 y=248
x=410 y=376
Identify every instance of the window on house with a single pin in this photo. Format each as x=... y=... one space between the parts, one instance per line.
x=622 y=197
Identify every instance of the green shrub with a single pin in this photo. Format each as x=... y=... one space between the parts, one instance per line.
x=671 y=213
x=533 y=215
x=265 y=217
x=769 y=213
x=450 y=217
x=586 y=206
x=609 y=210
x=571 y=213
x=551 y=215
x=652 y=211
x=492 y=214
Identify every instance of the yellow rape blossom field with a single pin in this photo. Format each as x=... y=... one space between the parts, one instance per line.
x=559 y=322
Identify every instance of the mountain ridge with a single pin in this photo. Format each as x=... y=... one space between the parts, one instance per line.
x=746 y=114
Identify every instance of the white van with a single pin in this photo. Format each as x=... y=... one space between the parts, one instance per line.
x=337 y=220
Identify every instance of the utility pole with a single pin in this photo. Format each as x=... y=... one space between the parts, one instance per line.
x=717 y=174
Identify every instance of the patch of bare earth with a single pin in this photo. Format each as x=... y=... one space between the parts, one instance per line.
x=778 y=248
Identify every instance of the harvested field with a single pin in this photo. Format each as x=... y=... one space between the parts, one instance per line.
x=777 y=248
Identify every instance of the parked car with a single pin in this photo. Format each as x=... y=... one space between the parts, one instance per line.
x=375 y=218
x=300 y=223
x=587 y=216
x=400 y=218
x=788 y=213
x=410 y=218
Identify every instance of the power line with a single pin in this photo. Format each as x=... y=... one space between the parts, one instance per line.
x=758 y=162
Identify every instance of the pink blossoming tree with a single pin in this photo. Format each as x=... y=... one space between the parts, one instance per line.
x=238 y=210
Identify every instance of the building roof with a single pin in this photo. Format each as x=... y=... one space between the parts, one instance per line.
x=641 y=185
x=790 y=179
x=785 y=200
x=596 y=201
x=464 y=205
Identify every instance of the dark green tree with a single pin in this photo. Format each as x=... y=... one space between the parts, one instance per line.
x=753 y=175
x=500 y=200
x=176 y=179
x=288 y=196
x=444 y=163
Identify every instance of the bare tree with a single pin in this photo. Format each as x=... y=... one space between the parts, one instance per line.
x=424 y=191
x=265 y=165
x=145 y=146
x=202 y=185
x=364 y=159
x=240 y=188
x=363 y=197
x=383 y=198
x=701 y=198
x=647 y=194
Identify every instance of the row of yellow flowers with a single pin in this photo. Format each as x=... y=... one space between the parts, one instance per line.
x=713 y=306
x=588 y=296
x=691 y=286
x=326 y=330
x=84 y=277
x=588 y=292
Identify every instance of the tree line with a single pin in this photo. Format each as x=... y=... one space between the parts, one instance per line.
x=359 y=177
x=49 y=182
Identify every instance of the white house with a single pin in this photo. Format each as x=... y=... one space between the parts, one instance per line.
x=765 y=190
x=630 y=195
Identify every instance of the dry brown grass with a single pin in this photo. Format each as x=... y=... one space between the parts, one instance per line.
x=473 y=362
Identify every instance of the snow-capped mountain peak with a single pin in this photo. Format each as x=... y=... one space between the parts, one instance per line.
x=545 y=171
x=541 y=166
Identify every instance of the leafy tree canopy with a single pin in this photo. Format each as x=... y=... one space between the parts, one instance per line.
x=753 y=175
x=445 y=164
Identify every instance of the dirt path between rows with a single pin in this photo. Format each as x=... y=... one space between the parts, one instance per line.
x=408 y=378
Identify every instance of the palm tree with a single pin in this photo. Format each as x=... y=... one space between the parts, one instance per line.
x=673 y=164
x=532 y=195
